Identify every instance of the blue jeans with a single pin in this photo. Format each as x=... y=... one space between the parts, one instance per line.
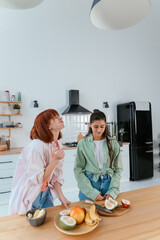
x=102 y=185
x=43 y=200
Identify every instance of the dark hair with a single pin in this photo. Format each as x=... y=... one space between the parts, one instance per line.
x=40 y=129
x=98 y=115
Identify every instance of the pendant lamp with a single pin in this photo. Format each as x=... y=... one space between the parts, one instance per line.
x=118 y=14
x=19 y=4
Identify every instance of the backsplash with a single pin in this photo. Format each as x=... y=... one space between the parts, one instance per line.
x=74 y=124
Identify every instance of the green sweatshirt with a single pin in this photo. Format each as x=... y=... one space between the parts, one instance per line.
x=86 y=163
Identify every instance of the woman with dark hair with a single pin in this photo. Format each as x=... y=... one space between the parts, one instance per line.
x=38 y=175
x=98 y=164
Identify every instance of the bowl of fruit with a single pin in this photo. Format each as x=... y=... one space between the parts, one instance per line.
x=36 y=217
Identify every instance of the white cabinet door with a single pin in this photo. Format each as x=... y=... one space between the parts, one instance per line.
x=70 y=183
x=125 y=161
x=7 y=168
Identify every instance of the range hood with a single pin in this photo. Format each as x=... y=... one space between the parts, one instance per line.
x=74 y=107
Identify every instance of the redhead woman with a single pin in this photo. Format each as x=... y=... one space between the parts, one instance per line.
x=38 y=175
x=98 y=163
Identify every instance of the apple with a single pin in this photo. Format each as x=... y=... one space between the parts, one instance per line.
x=125 y=203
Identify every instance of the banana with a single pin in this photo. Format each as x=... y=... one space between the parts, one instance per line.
x=36 y=213
x=41 y=213
x=89 y=221
x=93 y=214
x=30 y=215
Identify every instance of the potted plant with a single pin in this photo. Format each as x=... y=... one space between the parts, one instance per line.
x=122 y=132
x=16 y=108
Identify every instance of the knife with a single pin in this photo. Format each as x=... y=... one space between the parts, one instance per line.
x=99 y=207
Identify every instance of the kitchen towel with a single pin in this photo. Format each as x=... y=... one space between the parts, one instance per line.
x=142 y=106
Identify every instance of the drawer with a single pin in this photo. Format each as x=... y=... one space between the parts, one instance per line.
x=5 y=185
x=125 y=150
x=8 y=161
x=9 y=164
x=7 y=173
x=4 y=198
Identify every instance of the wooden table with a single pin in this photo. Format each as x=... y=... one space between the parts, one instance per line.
x=142 y=222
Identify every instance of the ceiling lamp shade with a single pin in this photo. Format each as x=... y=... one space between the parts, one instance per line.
x=118 y=14
x=20 y=4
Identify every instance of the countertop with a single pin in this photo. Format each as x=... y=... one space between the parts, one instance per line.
x=18 y=150
x=141 y=222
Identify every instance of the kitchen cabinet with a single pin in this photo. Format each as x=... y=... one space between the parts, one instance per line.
x=70 y=183
x=125 y=160
x=7 y=168
x=9 y=116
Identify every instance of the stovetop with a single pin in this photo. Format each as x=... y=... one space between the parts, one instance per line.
x=71 y=144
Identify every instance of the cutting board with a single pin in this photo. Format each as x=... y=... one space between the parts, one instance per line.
x=118 y=211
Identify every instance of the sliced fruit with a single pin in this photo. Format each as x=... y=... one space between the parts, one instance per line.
x=93 y=214
x=67 y=223
x=111 y=200
x=110 y=203
x=125 y=203
x=65 y=212
x=89 y=221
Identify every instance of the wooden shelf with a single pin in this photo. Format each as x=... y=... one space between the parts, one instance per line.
x=10 y=114
x=10 y=127
x=10 y=102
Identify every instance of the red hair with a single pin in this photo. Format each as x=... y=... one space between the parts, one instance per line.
x=40 y=129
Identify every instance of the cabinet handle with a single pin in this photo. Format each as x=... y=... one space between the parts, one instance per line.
x=6 y=162
x=6 y=177
x=5 y=192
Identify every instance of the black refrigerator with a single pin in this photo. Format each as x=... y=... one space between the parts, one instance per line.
x=136 y=119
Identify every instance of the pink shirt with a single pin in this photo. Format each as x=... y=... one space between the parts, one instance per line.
x=28 y=177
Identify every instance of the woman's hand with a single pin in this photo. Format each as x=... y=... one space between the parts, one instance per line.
x=64 y=201
x=107 y=196
x=99 y=198
x=58 y=154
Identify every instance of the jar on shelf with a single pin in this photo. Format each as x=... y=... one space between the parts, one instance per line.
x=13 y=98
x=8 y=143
x=3 y=140
x=19 y=97
x=6 y=96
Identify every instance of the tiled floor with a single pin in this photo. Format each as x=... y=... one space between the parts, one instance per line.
x=125 y=186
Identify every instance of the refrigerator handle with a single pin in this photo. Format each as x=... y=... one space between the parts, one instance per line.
x=135 y=124
x=149 y=151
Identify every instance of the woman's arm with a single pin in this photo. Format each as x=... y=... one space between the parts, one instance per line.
x=84 y=183
x=61 y=197
x=115 y=180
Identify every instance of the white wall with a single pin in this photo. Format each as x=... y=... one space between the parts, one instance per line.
x=47 y=50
